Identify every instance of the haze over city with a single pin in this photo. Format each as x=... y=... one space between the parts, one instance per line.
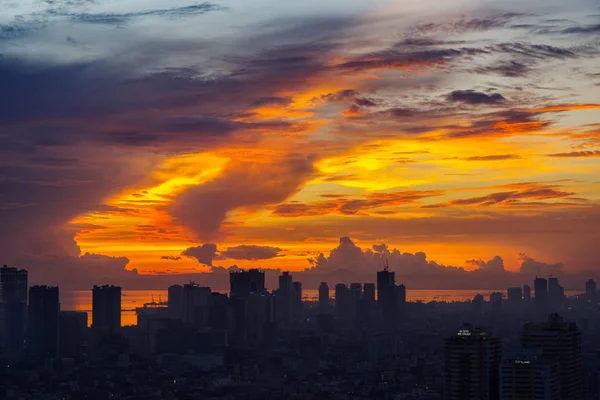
x=459 y=141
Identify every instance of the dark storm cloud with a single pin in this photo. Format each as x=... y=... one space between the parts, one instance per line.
x=509 y=69
x=473 y=97
x=204 y=253
x=250 y=252
x=578 y=154
x=529 y=50
x=121 y=18
x=172 y=258
x=469 y=24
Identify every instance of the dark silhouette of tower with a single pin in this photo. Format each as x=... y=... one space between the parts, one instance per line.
x=472 y=361
x=514 y=299
x=386 y=296
x=556 y=294
x=175 y=301
x=106 y=309
x=243 y=283
x=560 y=341
x=529 y=375
x=297 y=301
x=42 y=328
x=195 y=305
x=323 y=298
x=13 y=310
x=591 y=291
x=284 y=300
x=369 y=292
x=540 y=286
x=72 y=338
x=527 y=294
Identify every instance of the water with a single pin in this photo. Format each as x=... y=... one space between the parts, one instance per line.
x=81 y=300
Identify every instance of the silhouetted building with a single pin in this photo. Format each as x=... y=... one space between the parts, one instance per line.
x=284 y=300
x=387 y=296
x=369 y=292
x=106 y=309
x=496 y=301
x=218 y=311
x=556 y=294
x=42 y=327
x=541 y=296
x=297 y=301
x=343 y=303
x=243 y=283
x=530 y=376
x=401 y=298
x=514 y=298
x=175 y=301
x=13 y=310
x=559 y=341
x=477 y=307
x=72 y=337
x=195 y=305
x=591 y=291
x=527 y=294
x=472 y=361
x=323 y=298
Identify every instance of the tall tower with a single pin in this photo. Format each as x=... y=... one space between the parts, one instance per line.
x=13 y=310
x=515 y=298
x=369 y=292
x=44 y=309
x=472 y=361
x=556 y=294
x=323 y=298
x=72 y=328
x=284 y=300
x=591 y=291
x=559 y=341
x=540 y=286
x=175 y=301
x=106 y=309
x=386 y=296
x=243 y=283
x=195 y=305
x=528 y=376
x=526 y=294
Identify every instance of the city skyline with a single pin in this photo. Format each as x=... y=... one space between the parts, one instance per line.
x=142 y=140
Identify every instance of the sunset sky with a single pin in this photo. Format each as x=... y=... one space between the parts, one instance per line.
x=178 y=137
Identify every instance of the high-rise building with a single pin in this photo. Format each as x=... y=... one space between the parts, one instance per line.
x=284 y=300
x=369 y=292
x=529 y=376
x=477 y=306
x=514 y=298
x=13 y=310
x=106 y=309
x=218 y=311
x=195 y=305
x=526 y=294
x=175 y=301
x=472 y=361
x=560 y=341
x=243 y=283
x=72 y=337
x=42 y=327
x=401 y=297
x=556 y=294
x=496 y=301
x=343 y=303
x=387 y=296
x=540 y=286
x=323 y=298
x=591 y=291
x=297 y=301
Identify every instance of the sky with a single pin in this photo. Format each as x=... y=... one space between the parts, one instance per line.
x=143 y=142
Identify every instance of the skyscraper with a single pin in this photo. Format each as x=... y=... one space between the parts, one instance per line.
x=13 y=310
x=514 y=298
x=591 y=291
x=195 y=305
x=297 y=301
x=343 y=302
x=44 y=309
x=529 y=376
x=556 y=294
x=284 y=300
x=496 y=301
x=243 y=283
x=401 y=297
x=323 y=298
x=472 y=361
x=386 y=296
x=72 y=326
x=526 y=294
x=175 y=301
x=559 y=341
x=369 y=292
x=106 y=309
x=541 y=296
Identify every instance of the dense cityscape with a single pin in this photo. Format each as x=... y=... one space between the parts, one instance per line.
x=367 y=342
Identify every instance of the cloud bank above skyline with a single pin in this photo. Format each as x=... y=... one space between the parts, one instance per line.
x=139 y=140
